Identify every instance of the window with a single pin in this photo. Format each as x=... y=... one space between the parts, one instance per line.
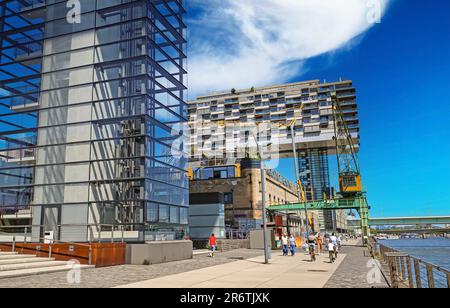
x=152 y=212
x=183 y=216
x=164 y=213
x=349 y=181
x=174 y=215
x=228 y=198
x=215 y=173
x=231 y=172
x=107 y=214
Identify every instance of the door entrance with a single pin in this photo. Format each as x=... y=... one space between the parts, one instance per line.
x=50 y=221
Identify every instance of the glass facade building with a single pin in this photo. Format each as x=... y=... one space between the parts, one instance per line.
x=91 y=107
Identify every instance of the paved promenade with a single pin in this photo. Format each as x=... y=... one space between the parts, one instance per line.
x=236 y=269
x=109 y=277
x=283 y=272
x=354 y=270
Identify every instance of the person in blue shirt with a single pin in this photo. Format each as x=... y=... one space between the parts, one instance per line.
x=292 y=245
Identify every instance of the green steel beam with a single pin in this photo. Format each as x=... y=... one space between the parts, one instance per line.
x=358 y=203
x=334 y=204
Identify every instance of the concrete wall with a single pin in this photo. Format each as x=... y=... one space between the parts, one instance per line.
x=257 y=239
x=158 y=252
x=227 y=245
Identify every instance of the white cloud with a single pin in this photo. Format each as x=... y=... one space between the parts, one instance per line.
x=243 y=43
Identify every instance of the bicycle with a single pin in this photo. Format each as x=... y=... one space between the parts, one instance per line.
x=312 y=253
x=332 y=256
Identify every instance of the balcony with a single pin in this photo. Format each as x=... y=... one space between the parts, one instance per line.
x=351 y=118
x=346 y=95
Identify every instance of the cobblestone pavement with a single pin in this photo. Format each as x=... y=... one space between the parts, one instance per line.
x=352 y=273
x=121 y=275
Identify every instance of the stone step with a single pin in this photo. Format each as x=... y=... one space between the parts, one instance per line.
x=4 y=253
x=9 y=257
x=26 y=260
x=13 y=267
x=38 y=271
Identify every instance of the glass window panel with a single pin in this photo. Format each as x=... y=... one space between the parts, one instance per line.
x=174 y=215
x=164 y=215
x=152 y=212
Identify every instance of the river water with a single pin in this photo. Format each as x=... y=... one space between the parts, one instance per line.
x=435 y=250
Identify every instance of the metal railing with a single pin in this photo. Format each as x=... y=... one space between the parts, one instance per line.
x=96 y=233
x=15 y=245
x=406 y=271
x=237 y=234
x=23 y=234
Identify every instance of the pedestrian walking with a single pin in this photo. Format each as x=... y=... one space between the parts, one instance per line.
x=285 y=244
x=292 y=244
x=212 y=245
x=319 y=242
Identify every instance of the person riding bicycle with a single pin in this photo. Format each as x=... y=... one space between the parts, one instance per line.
x=339 y=242
x=312 y=246
x=331 y=251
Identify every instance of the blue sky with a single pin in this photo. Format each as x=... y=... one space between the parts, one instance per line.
x=400 y=67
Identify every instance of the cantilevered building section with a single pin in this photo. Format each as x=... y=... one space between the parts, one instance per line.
x=89 y=112
x=215 y=121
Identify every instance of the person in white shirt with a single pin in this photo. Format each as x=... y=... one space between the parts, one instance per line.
x=285 y=243
x=331 y=251
x=333 y=239
x=339 y=242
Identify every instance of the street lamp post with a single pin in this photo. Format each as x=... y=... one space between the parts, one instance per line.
x=264 y=209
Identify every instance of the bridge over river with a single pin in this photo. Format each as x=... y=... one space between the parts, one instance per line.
x=405 y=221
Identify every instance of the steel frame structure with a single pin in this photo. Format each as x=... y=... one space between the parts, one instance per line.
x=331 y=204
x=112 y=88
